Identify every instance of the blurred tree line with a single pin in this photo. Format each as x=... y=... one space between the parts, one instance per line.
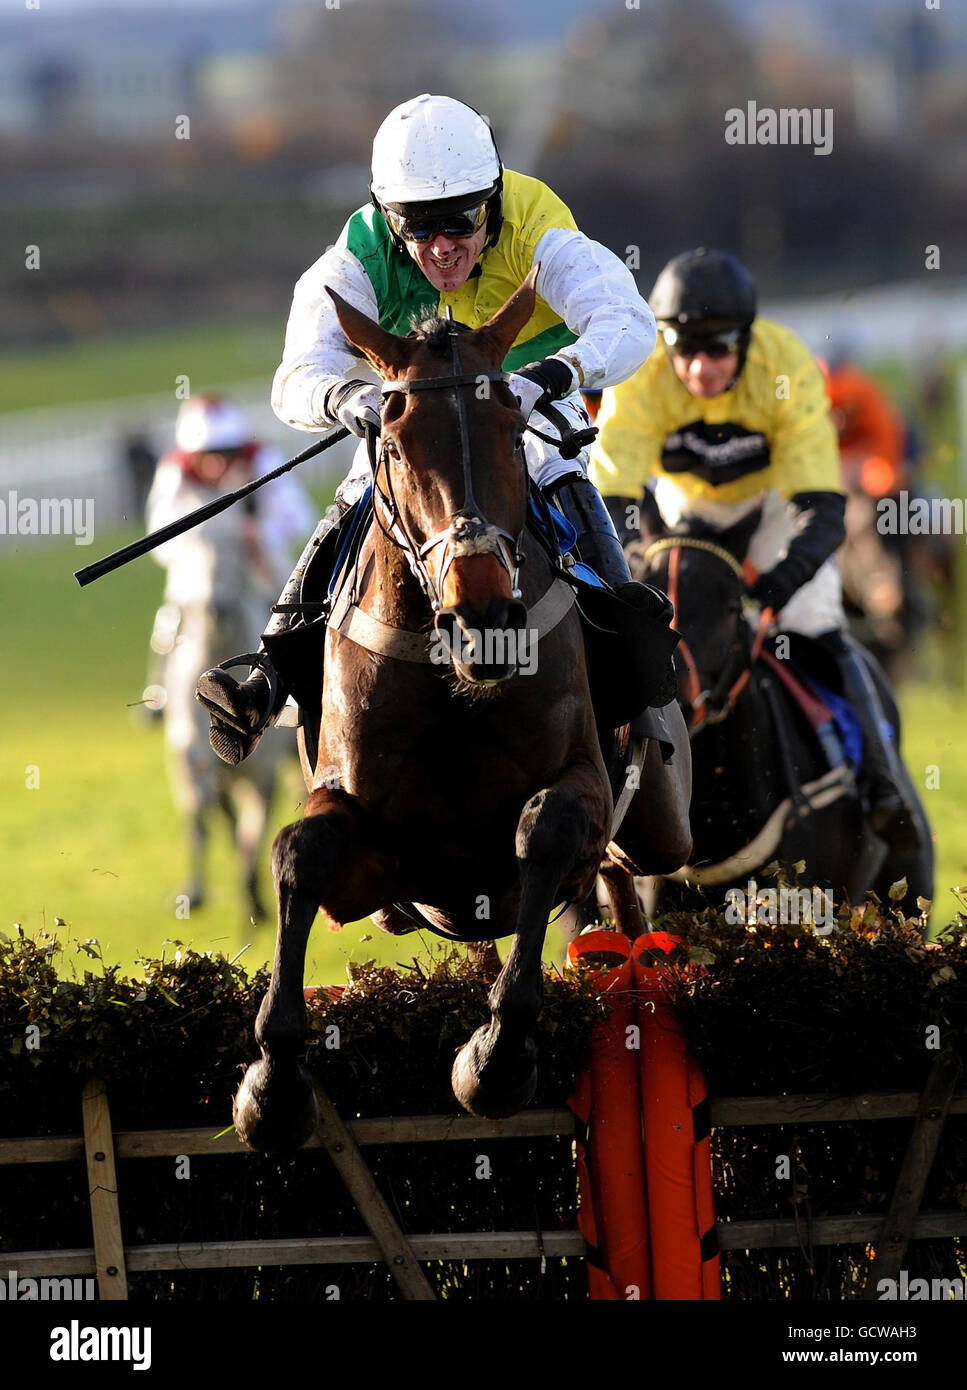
x=622 y=112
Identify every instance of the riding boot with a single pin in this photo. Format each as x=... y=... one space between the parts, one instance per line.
x=598 y=547
x=891 y=814
x=241 y=711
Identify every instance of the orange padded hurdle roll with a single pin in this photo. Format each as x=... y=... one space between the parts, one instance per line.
x=675 y=1126
x=607 y=1103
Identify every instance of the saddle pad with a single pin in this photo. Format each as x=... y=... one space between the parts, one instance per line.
x=564 y=538
x=362 y=511
x=820 y=704
x=844 y=717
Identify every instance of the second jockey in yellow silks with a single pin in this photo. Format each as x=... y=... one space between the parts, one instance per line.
x=449 y=227
x=730 y=415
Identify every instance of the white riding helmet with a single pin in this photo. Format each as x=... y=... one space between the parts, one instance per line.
x=207 y=424
x=433 y=148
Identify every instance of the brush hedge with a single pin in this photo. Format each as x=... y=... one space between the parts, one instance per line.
x=767 y=1011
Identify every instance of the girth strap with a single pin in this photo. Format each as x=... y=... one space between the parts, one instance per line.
x=366 y=631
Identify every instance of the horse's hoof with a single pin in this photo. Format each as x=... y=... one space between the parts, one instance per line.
x=275 y=1107
x=490 y=1092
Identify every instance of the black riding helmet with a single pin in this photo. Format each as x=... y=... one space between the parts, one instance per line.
x=703 y=297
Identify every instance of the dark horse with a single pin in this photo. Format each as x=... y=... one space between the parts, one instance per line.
x=471 y=792
x=753 y=748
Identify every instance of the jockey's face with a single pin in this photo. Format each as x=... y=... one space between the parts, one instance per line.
x=447 y=261
x=704 y=375
x=211 y=467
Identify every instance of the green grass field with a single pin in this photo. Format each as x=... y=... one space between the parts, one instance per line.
x=97 y=842
x=104 y=368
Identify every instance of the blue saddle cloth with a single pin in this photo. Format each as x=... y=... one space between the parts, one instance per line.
x=565 y=538
x=844 y=717
x=846 y=721
x=357 y=521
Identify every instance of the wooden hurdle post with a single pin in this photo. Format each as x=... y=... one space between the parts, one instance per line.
x=102 y=1180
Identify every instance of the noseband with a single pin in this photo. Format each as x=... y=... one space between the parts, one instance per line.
x=705 y=707
x=467 y=531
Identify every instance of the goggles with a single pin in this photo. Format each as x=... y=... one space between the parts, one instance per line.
x=716 y=345
x=449 y=224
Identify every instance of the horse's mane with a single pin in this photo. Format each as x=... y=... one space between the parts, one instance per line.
x=434 y=332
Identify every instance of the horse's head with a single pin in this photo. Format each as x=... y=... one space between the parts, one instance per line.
x=700 y=569
x=451 y=482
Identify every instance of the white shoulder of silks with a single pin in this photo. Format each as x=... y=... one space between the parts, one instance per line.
x=340 y=270
x=595 y=294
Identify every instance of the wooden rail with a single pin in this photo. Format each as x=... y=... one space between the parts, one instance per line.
x=109 y=1258
x=393 y=1129
x=403 y=1255
x=240 y=1254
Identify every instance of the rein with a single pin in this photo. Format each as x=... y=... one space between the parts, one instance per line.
x=703 y=702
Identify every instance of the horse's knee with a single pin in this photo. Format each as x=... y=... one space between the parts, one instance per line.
x=305 y=853
x=553 y=827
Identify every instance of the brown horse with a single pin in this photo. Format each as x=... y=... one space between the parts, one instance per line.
x=475 y=790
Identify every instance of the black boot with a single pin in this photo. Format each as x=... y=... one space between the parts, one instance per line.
x=598 y=547
x=891 y=815
x=598 y=544
x=241 y=711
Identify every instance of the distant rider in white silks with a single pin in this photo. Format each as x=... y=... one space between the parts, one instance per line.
x=449 y=227
x=730 y=415
x=215 y=451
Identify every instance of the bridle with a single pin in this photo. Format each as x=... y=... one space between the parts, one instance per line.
x=707 y=706
x=467 y=531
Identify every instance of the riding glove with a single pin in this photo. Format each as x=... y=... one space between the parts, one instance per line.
x=821 y=535
x=539 y=383
x=355 y=404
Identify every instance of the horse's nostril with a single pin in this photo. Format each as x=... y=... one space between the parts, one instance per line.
x=515 y=616
x=446 y=623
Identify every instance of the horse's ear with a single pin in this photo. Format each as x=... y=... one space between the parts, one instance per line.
x=386 y=351
x=495 y=338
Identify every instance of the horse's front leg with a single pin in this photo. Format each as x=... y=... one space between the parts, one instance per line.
x=321 y=861
x=560 y=840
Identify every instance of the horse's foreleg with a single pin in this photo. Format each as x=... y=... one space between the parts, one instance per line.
x=625 y=907
x=655 y=837
x=495 y=1072
x=275 y=1107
